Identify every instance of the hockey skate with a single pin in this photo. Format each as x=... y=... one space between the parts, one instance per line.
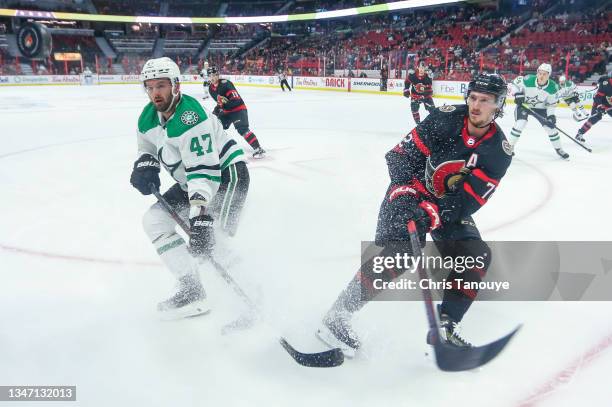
x=562 y=153
x=259 y=153
x=336 y=332
x=449 y=332
x=580 y=137
x=189 y=301
x=579 y=114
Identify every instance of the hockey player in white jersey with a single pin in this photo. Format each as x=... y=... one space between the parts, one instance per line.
x=206 y=81
x=539 y=93
x=212 y=180
x=568 y=92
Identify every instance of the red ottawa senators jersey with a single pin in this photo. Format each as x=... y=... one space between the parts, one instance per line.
x=604 y=92
x=225 y=89
x=417 y=86
x=440 y=160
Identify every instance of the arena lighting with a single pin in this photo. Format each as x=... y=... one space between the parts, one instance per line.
x=377 y=8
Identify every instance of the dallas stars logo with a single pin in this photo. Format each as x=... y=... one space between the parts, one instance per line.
x=532 y=100
x=190 y=117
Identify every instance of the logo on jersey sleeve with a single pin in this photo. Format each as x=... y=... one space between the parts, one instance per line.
x=444 y=178
x=507 y=147
x=447 y=108
x=190 y=118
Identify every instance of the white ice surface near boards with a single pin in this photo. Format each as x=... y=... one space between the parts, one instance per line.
x=79 y=280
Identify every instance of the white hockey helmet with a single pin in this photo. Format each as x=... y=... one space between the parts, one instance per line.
x=545 y=68
x=158 y=68
x=562 y=79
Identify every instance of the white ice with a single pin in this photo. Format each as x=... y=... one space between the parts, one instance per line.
x=79 y=280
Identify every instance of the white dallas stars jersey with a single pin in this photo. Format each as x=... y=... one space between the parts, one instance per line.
x=536 y=96
x=567 y=90
x=191 y=145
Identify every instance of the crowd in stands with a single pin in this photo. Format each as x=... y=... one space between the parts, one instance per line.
x=454 y=41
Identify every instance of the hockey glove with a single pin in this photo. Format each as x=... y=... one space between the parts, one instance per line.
x=217 y=111
x=519 y=99
x=201 y=235
x=426 y=217
x=551 y=121
x=206 y=83
x=145 y=173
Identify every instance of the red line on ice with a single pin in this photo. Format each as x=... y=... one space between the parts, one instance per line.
x=76 y=258
x=565 y=375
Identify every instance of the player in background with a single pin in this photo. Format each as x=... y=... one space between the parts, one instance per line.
x=212 y=180
x=418 y=87
x=231 y=109
x=602 y=104
x=206 y=81
x=569 y=94
x=442 y=172
x=539 y=93
x=87 y=76
x=282 y=77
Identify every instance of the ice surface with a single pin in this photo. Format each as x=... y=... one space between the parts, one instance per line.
x=80 y=281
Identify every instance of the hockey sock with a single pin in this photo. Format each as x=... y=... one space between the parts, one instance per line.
x=173 y=252
x=555 y=140
x=585 y=127
x=361 y=289
x=417 y=117
x=515 y=134
x=252 y=140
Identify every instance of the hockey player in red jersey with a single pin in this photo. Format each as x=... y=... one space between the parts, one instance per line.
x=602 y=104
x=442 y=172
x=231 y=109
x=419 y=88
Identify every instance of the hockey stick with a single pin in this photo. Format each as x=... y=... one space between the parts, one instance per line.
x=539 y=116
x=448 y=357
x=600 y=113
x=328 y=358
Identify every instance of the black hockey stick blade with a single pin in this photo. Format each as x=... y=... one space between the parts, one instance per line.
x=455 y=359
x=328 y=358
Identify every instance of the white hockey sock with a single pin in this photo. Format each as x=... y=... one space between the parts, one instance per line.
x=514 y=136
x=172 y=249
x=555 y=140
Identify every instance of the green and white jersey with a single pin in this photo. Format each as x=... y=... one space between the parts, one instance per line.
x=536 y=96
x=191 y=145
x=567 y=90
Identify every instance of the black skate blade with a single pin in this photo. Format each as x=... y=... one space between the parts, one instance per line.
x=328 y=358
x=454 y=359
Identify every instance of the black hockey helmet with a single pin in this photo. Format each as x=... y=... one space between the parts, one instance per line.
x=212 y=71
x=491 y=83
